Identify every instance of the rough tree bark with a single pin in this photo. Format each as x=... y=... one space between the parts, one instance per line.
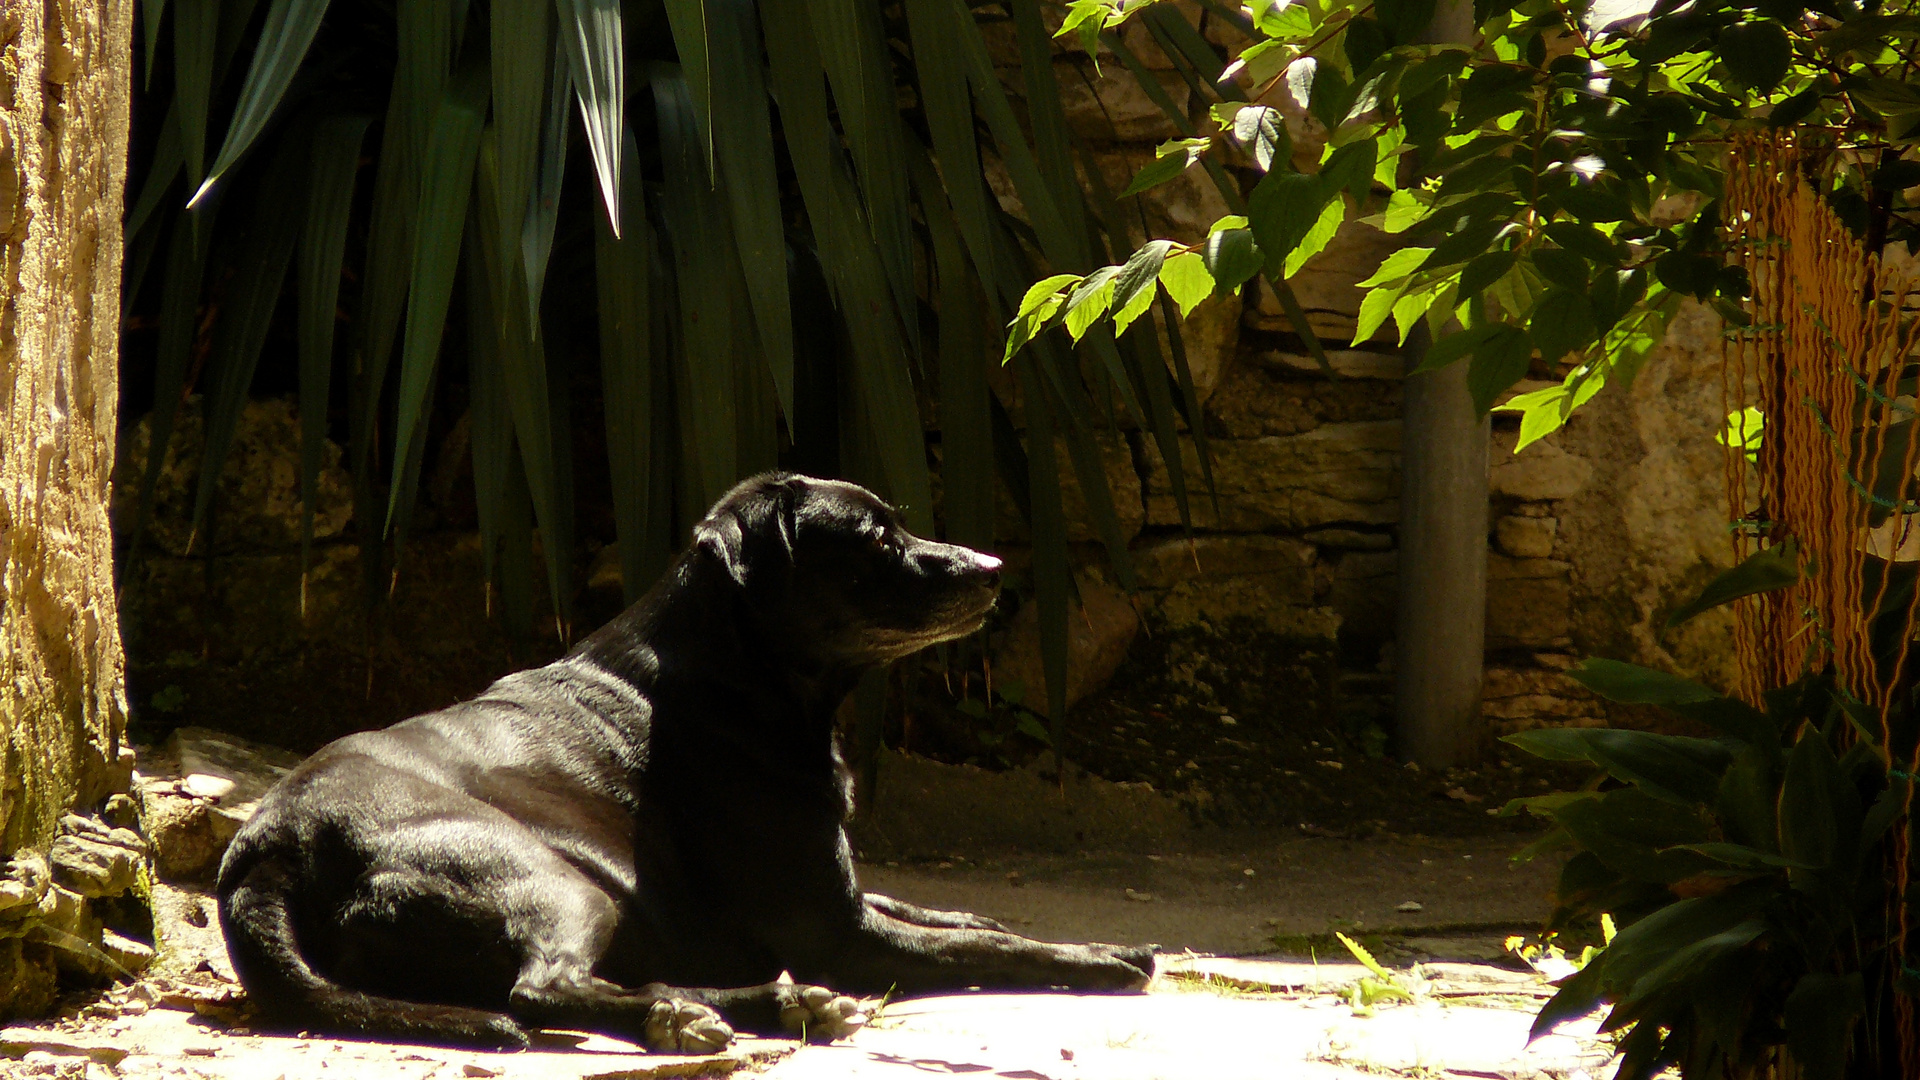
x=65 y=84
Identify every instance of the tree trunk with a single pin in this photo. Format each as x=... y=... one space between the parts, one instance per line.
x=1440 y=639
x=65 y=84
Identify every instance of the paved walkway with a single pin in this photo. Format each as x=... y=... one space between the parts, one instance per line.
x=1205 y=1020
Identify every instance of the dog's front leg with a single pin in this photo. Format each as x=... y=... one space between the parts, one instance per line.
x=919 y=916
x=881 y=953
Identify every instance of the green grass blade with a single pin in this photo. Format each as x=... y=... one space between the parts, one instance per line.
x=1180 y=40
x=881 y=382
x=1051 y=140
x=626 y=370
x=516 y=550
x=523 y=59
x=591 y=31
x=523 y=383
x=160 y=173
x=248 y=308
x=543 y=201
x=966 y=436
x=323 y=247
x=1189 y=399
x=692 y=41
x=1191 y=56
x=491 y=422
x=1010 y=459
x=700 y=234
x=853 y=51
x=196 y=30
x=142 y=246
x=446 y=181
x=281 y=46
x=941 y=63
x=1107 y=213
x=1049 y=222
x=151 y=13
x=179 y=326
x=425 y=49
x=1052 y=579
x=744 y=148
x=235 y=16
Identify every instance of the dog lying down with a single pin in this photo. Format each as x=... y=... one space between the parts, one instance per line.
x=640 y=838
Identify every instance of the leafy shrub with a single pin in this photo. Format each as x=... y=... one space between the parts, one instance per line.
x=1747 y=870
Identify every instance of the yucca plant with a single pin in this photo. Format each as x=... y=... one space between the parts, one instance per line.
x=1748 y=873
x=794 y=255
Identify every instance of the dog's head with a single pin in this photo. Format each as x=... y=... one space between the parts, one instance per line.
x=831 y=570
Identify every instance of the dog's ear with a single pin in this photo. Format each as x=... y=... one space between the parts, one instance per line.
x=752 y=535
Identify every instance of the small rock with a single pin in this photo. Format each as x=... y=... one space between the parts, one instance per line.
x=1460 y=794
x=207 y=786
x=1143 y=897
x=470 y=1069
x=1098 y=636
x=1332 y=764
x=132 y=956
x=94 y=866
x=121 y=811
x=1248 y=871
x=1411 y=907
x=1229 y=721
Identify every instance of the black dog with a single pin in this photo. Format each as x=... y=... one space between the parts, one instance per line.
x=598 y=843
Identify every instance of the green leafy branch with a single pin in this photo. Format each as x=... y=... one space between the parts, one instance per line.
x=1556 y=178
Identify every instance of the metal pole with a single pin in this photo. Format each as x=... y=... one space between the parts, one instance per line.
x=1440 y=635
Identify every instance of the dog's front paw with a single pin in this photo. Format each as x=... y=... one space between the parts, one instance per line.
x=685 y=1027
x=817 y=1014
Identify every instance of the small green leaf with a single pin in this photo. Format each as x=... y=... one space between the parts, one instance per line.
x=1819 y=1016
x=1561 y=322
x=1374 y=309
x=1810 y=795
x=1770 y=568
x=1281 y=212
x=1561 y=267
x=1262 y=131
x=1499 y=361
x=1585 y=241
x=1089 y=300
x=1043 y=290
x=1134 y=290
x=1483 y=271
x=1741 y=857
x=1396 y=266
x=1187 y=280
x=1757 y=53
x=1158 y=172
x=1232 y=257
x=1631 y=684
x=1325 y=228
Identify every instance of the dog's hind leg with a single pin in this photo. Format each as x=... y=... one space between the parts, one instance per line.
x=563 y=936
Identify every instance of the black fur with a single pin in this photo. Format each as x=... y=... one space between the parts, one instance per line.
x=658 y=817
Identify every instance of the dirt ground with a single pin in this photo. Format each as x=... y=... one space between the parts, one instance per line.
x=1090 y=860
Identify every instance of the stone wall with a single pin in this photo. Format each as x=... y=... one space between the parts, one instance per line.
x=1289 y=579
x=1596 y=531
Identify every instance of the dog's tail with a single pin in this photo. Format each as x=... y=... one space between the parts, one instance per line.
x=289 y=994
